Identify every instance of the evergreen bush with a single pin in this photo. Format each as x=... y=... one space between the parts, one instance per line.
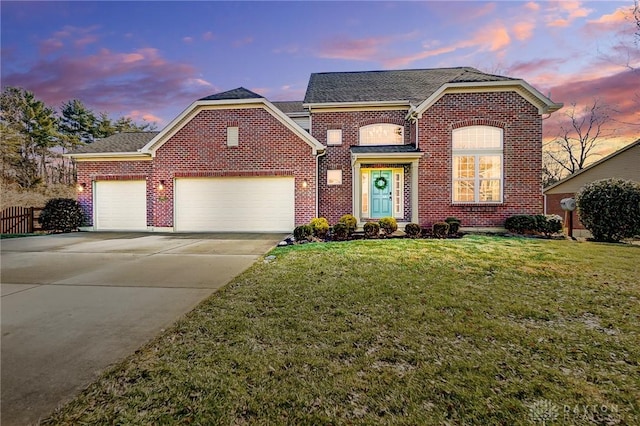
x=61 y=214
x=610 y=209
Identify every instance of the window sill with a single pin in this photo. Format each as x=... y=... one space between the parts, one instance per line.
x=478 y=207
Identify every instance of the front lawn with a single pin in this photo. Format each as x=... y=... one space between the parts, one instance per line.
x=480 y=330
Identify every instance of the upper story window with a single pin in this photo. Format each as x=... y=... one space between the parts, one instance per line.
x=334 y=137
x=382 y=134
x=477 y=165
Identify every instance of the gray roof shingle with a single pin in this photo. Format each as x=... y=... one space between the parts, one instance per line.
x=290 y=107
x=120 y=142
x=414 y=85
x=239 y=93
x=383 y=149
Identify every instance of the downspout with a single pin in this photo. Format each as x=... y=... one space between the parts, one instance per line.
x=318 y=155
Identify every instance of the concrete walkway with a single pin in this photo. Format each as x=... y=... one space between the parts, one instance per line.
x=73 y=304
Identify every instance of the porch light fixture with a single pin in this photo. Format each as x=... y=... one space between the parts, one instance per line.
x=81 y=187
x=305 y=183
x=161 y=185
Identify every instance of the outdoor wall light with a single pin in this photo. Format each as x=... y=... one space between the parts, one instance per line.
x=305 y=183
x=161 y=185
x=81 y=187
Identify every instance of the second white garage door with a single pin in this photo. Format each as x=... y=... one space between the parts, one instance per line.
x=235 y=204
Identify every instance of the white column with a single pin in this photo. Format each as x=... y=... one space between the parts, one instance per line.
x=356 y=183
x=414 y=192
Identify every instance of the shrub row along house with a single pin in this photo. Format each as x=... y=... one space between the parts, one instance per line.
x=417 y=145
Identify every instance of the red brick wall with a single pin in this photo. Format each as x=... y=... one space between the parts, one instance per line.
x=336 y=200
x=266 y=148
x=522 y=162
x=90 y=171
x=522 y=156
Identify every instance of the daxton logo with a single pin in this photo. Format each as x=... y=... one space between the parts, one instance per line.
x=543 y=412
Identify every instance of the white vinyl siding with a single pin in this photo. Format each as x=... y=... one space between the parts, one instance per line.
x=120 y=205
x=477 y=165
x=235 y=204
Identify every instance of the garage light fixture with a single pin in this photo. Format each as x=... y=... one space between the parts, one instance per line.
x=81 y=187
x=305 y=183
x=161 y=185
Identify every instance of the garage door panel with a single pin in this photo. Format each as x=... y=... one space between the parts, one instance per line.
x=235 y=204
x=121 y=205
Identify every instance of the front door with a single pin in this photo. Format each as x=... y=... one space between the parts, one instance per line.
x=381 y=193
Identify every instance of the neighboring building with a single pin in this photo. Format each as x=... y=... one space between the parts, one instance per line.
x=418 y=145
x=622 y=164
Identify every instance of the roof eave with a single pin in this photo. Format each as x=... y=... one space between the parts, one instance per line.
x=82 y=155
x=400 y=103
x=543 y=103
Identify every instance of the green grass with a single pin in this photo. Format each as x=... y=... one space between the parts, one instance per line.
x=471 y=331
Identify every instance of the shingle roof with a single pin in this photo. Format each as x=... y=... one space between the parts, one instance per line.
x=290 y=107
x=120 y=142
x=239 y=93
x=396 y=85
x=383 y=149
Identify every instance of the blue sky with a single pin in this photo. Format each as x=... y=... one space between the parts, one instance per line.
x=150 y=60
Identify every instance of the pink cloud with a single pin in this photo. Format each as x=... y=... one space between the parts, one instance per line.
x=616 y=90
x=535 y=66
x=113 y=81
x=187 y=39
x=138 y=115
x=563 y=12
x=523 y=30
x=50 y=45
x=343 y=47
x=208 y=36
x=532 y=6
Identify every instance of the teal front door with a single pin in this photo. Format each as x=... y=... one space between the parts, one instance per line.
x=381 y=193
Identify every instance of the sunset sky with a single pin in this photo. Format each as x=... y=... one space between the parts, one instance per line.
x=150 y=60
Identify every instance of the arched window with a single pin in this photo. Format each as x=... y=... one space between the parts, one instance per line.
x=477 y=165
x=382 y=134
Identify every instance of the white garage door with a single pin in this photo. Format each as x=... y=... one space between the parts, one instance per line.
x=121 y=205
x=235 y=204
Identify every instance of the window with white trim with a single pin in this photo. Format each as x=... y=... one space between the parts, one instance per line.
x=381 y=134
x=334 y=177
x=334 y=137
x=477 y=164
x=232 y=136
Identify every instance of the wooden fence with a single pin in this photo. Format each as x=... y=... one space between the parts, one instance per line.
x=20 y=220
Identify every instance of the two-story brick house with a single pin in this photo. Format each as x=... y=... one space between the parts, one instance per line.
x=418 y=145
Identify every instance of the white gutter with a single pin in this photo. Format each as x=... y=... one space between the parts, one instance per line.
x=107 y=154
x=356 y=104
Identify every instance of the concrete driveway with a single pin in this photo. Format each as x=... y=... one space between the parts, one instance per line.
x=73 y=304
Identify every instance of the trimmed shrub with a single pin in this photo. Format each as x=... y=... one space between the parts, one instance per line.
x=302 y=232
x=610 y=209
x=340 y=231
x=350 y=221
x=412 y=230
x=371 y=230
x=552 y=224
x=61 y=214
x=534 y=224
x=521 y=224
x=388 y=225
x=320 y=227
x=454 y=224
x=440 y=229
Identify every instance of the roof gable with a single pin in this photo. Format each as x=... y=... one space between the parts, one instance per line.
x=224 y=101
x=622 y=172
x=238 y=93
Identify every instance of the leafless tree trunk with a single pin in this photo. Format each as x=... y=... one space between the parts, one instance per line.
x=583 y=132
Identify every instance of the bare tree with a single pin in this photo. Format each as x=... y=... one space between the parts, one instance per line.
x=581 y=134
